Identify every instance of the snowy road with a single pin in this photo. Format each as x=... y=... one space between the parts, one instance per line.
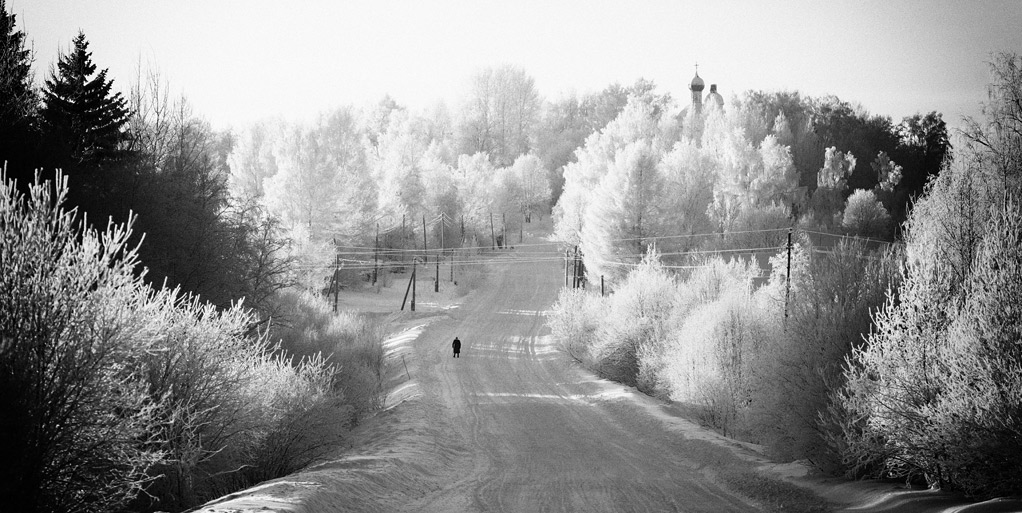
x=513 y=425
x=538 y=433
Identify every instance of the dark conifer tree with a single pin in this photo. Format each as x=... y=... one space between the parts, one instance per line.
x=84 y=121
x=19 y=101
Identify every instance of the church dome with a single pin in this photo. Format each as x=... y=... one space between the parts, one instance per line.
x=697 y=83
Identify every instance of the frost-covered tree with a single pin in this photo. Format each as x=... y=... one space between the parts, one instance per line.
x=831 y=183
x=475 y=183
x=737 y=161
x=402 y=146
x=782 y=130
x=635 y=123
x=252 y=161
x=865 y=215
x=777 y=178
x=322 y=189
x=77 y=428
x=355 y=203
x=319 y=171
x=888 y=172
x=933 y=392
x=561 y=130
x=626 y=212
x=441 y=193
x=535 y=184
x=500 y=115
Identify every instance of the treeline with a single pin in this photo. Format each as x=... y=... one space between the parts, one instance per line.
x=352 y=173
x=867 y=358
x=763 y=162
x=143 y=154
x=337 y=185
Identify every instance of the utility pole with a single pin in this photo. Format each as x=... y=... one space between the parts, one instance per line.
x=567 y=255
x=334 y=284
x=493 y=238
x=410 y=282
x=424 y=249
x=503 y=229
x=436 y=279
x=579 y=269
x=574 y=269
x=376 y=254
x=601 y=286
x=787 y=279
x=413 y=285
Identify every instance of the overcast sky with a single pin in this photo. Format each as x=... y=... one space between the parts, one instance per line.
x=238 y=61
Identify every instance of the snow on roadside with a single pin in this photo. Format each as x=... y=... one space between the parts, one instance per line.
x=392 y=456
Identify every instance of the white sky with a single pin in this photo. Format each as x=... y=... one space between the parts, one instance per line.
x=239 y=61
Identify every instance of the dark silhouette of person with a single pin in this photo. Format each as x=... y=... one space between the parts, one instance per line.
x=457 y=347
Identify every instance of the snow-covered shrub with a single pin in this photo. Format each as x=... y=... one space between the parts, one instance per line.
x=575 y=321
x=866 y=216
x=631 y=339
x=832 y=296
x=934 y=391
x=711 y=355
x=109 y=388
x=225 y=399
x=75 y=423
x=977 y=415
x=352 y=344
x=302 y=417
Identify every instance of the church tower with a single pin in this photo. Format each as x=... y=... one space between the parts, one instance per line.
x=696 y=87
x=713 y=99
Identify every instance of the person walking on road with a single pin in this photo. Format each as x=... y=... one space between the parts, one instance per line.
x=457 y=347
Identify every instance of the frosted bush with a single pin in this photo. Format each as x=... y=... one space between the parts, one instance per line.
x=865 y=215
x=575 y=320
x=710 y=358
x=833 y=295
x=632 y=337
x=156 y=391
x=935 y=393
x=77 y=429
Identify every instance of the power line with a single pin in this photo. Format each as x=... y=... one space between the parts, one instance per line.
x=561 y=243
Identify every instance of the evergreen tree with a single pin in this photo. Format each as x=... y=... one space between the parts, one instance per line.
x=18 y=99
x=84 y=121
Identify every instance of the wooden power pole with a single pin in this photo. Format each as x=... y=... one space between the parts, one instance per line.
x=493 y=237
x=787 y=278
x=376 y=254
